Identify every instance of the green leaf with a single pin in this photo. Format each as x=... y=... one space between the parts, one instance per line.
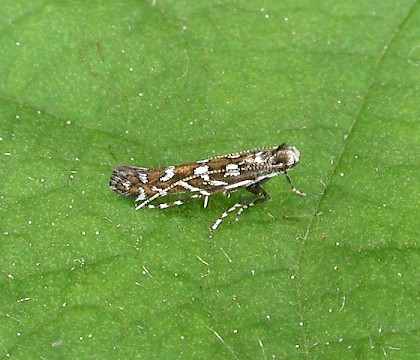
x=89 y=85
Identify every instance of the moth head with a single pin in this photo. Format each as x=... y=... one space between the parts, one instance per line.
x=286 y=156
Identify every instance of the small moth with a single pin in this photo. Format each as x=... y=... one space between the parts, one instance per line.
x=221 y=174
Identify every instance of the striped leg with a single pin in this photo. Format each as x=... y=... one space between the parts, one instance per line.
x=293 y=188
x=260 y=195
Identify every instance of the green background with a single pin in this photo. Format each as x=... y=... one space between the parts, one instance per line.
x=87 y=85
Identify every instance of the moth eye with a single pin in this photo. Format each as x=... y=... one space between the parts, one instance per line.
x=280 y=159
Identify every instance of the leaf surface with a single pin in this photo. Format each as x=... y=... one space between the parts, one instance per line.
x=89 y=85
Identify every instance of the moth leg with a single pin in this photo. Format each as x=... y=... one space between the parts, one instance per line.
x=260 y=195
x=220 y=219
x=166 y=205
x=227 y=193
x=206 y=201
x=301 y=193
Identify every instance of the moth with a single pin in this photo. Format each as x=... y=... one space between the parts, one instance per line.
x=221 y=174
